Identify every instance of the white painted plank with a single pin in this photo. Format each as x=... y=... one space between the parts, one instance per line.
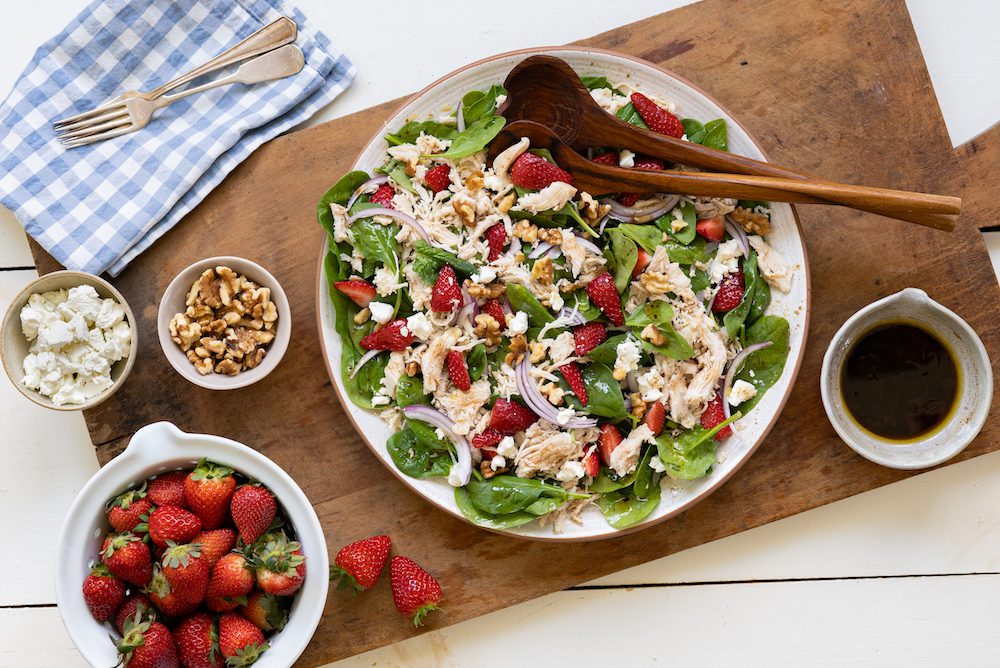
x=993 y=246
x=36 y=637
x=47 y=458
x=14 y=251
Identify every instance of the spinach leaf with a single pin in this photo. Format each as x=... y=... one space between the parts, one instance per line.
x=339 y=193
x=475 y=138
x=686 y=234
x=645 y=476
x=630 y=114
x=715 y=135
x=409 y=133
x=376 y=242
x=543 y=506
x=621 y=254
x=581 y=301
x=464 y=502
x=699 y=281
x=477 y=104
x=596 y=82
x=660 y=315
x=508 y=494
x=604 y=394
x=693 y=130
x=690 y=454
x=522 y=300
x=689 y=254
x=410 y=391
x=428 y=260
x=761 y=300
x=734 y=320
x=476 y=360
x=763 y=368
x=647 y=236
x=609 y=481
x=607 y=351
x=411 y=455
x=624 y=508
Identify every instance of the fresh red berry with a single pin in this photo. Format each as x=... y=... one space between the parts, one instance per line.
x=128 y=557
x=609 y=439
x=446 y=295
x=493 y=308
x=240 y=641
x=509 y=417
x=713 y=229
x=173 y=523
x=534 y=172
x=458 y=370
x=231 y=579
x=628 y=199
x=197 y=642
x=136 y=603
x=713 y=416
x=607 y=158
x=128 y=510
x=102 y=592
x=280 y=566
x=360 y=564
x=148 y=645
x=253 y=509
x=640 y=162
x=487 y=438
x=589 y=336
x=167 y=599
x=414 y=591
x=185 y=570
x=730 y=293
x=167 y=489
x=591 y=462
x=655 y=417
x=496 y=238
x=207 y=490
x=642 y=261
x=656 y=117
x=267 y=611
x=574 y=378
x=396 y=335
x=438 y=178
x=215 y=543
x=358 y=291
x=604 y=295
x=383 y=196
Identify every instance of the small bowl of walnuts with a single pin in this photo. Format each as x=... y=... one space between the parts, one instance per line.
x=224 y=323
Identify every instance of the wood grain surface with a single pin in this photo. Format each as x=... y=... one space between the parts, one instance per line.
x=832 y=88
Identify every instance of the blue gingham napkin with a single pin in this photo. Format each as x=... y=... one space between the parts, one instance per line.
x=97 y=207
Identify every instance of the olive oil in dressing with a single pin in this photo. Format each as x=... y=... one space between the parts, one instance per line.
x=899 y=381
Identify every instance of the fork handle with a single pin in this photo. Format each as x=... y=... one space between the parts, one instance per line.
x=275 y=34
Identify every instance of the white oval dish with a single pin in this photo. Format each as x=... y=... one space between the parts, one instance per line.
x=976 y=382
x=786 y=238
x=159 y=448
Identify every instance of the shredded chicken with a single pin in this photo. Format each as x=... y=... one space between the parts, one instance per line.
x=625 y=457
x=464 y=407
x=432 y=361
x=772 y=266
x=552 y=197
x=545 y=449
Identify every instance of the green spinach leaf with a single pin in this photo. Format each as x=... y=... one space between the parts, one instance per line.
x=504 y=494
x=604 y=394
x=411 y=455
x=621 y=254
x=607 y=352
x=693 y=130
x=763 y=368
x=475 y=138
x=522 y=300
x=409 y=133
x=715 y=135
x=690 y=454
x=647 y=236
x=734 y=320
x=630 y=114
x=624 y=508
x=660 y=315
x=428 y=260
x=479 y=104
x=410 y=391
x=476 y=360
x=609 y=481
x=464 y=502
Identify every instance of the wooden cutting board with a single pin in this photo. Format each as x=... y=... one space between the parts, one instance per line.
x=833 y=88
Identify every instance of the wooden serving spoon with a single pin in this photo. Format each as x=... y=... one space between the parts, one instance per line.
x=598 y=179
x=547 y=90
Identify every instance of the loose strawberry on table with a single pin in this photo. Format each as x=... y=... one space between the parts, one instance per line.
x=147 y=644
x=414 y=591
x=253 y=509
x=207 y=490
x=534 y=172
x=102 y=592
x=240 y=641
x=128 y=557
x=360 y=564
x=197 y=642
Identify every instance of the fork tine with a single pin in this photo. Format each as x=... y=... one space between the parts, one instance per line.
x=76 y=118
x=96 y=129
x=120 y=112
x=83 y=141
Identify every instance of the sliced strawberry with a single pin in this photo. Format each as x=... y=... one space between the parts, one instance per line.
x=645 y=162
x=359 y=292
x=496 y=237
x=383 y=196
x=589 y=336
x=641 y=262
x=607 y=158
x=493 y=308
x=730 y=293
x=438 y=178
x=396 y=335
x=655 y=417
x=487 y=438
x=610 y=439
x=571 y=372
x=458 y=370
x=604 y=294
x=712 y=229
x=534 y=172
x=447 y=293
x=656 y=117
x=628 y=199
x=591 y=463
x=509 y=417
x=713 y=416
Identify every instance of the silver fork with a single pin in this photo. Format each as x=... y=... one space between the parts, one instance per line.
x=277 y=33
x=135 y=112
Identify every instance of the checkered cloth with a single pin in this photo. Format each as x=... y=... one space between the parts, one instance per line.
x=97 y=207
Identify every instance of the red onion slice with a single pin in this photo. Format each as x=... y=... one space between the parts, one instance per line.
x=736 y=232
x=734 y=368
x=392 y=213
x=572 y=316
x=438 y=419
x=589 y=245
x=532 y=396
x=542 y=248
x=364 y=360
x=374 y=181
x=460 y=118
x=604 y=222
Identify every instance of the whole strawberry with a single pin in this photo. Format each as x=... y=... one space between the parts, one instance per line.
x=414 y=591
x=279 y=564
x=168 y=600
x=360 y=564
x=534 y=172
x=215 y=543
x=240 y=641
x=185 y=570
x=198 y=642
x=173 y=523
x=102 y=592
x=167 y=489
x=135 y=604
x=207 y=490
x=253 y=509
x=128 y=557
x=128 y=510
x=148 y=645
x=267 y=611
x=231 y=580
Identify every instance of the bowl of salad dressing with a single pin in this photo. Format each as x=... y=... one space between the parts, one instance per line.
x=906 y=382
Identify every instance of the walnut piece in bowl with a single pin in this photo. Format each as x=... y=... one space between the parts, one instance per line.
x=224 y=323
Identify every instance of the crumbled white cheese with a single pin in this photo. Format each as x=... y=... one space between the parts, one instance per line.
x=570 y=471
x=454 y=479
x=507 y=448
x=420 y=326
x=626 y=158
x=501 y=98
x=498 y=462
x=610 y=101
x=484 y=275
x=656 y=464
x=741 y=391
x=726 y=260
x=651 y=384
x=628 y=352
x=381 y=312
x=565 y=415
x=518 y=324
x=380 y=400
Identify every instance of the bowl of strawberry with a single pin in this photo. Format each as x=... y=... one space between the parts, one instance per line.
x=191 y=550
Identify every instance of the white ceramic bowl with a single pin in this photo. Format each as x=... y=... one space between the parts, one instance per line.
x=173 y=302
x=15 y=346
x=976 y=382
x=162 y=447
x=794 y=306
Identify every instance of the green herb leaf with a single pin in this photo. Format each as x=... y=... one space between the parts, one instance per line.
x=522 y=300
x=647 y=236
x=621 y=254
x=428 y=260
x=464 y=502
x=607 y=351
x=763 y=368
x=624 y=508
x=479 y=104
x=604 y=394
x=412 y=456
x=409 y=133
x=474 y=139
x=630 y=114
x=660 y=315
x=476 y=360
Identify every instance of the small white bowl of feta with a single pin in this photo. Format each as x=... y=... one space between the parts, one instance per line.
x=69 y=340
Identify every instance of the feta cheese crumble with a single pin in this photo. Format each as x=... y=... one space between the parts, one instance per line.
x=741 y=391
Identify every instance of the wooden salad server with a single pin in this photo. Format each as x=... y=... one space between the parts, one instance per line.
x=545 y=89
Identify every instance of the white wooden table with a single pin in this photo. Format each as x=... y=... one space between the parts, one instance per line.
x=904 y=575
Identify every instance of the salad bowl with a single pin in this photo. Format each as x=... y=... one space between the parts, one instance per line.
x=785 y=237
